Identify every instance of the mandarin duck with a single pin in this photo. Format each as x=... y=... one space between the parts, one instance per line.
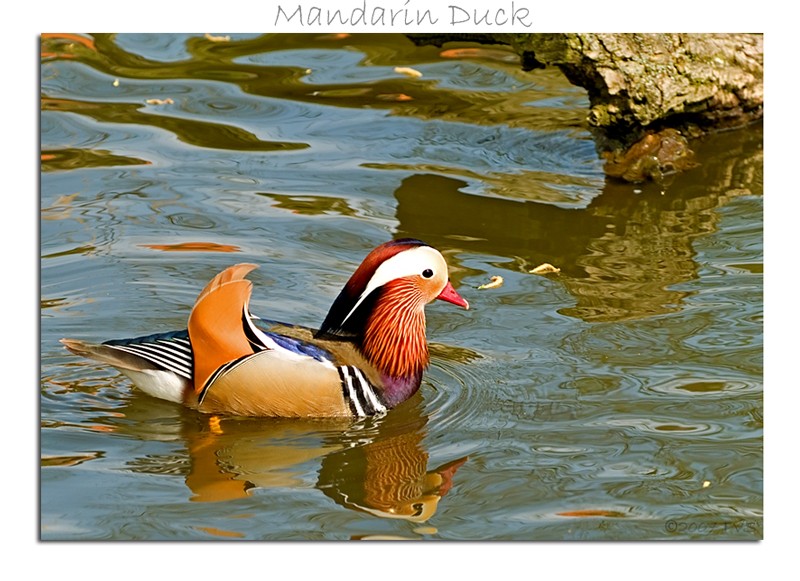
x=367 y=357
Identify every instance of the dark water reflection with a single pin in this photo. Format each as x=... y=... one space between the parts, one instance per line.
x=620 y=398
x=620 y=254
x=379 y=467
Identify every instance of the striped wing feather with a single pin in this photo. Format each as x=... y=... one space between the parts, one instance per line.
x=159 y=365
x=108 y=355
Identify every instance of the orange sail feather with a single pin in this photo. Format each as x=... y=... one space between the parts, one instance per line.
x=215 y=325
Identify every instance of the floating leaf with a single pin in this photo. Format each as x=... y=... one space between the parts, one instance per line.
x=545 y=268
x=159 y=101
x=213 y=38
x=407 y=71
x=497 y=282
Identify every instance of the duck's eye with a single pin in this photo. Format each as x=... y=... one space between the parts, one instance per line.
x=427 y=273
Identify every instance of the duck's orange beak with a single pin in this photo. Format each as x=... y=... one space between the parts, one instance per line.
x=450 y=295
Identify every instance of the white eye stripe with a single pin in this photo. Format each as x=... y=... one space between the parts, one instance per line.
x=407 y=263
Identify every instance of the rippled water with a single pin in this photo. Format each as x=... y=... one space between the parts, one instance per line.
x=620 y=398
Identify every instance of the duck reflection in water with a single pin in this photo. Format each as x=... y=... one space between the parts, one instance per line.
x=377 y=466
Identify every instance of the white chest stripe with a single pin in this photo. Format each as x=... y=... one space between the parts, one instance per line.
x=359 y=393
x=367 y=388
x=353 y=397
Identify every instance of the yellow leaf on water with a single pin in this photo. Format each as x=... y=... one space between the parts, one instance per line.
x=409 y=72
x=497 y=282
x=213 y=38
x=545 y=268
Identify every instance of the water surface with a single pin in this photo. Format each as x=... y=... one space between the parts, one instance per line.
x=618 y=399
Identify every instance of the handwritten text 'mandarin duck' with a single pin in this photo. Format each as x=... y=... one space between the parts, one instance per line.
x=402 y=15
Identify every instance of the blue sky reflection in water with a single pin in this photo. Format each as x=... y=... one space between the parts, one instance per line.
x=618 y=399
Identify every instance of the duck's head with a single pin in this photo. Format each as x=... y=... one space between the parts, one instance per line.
x=406 y=270
x=382 y=305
